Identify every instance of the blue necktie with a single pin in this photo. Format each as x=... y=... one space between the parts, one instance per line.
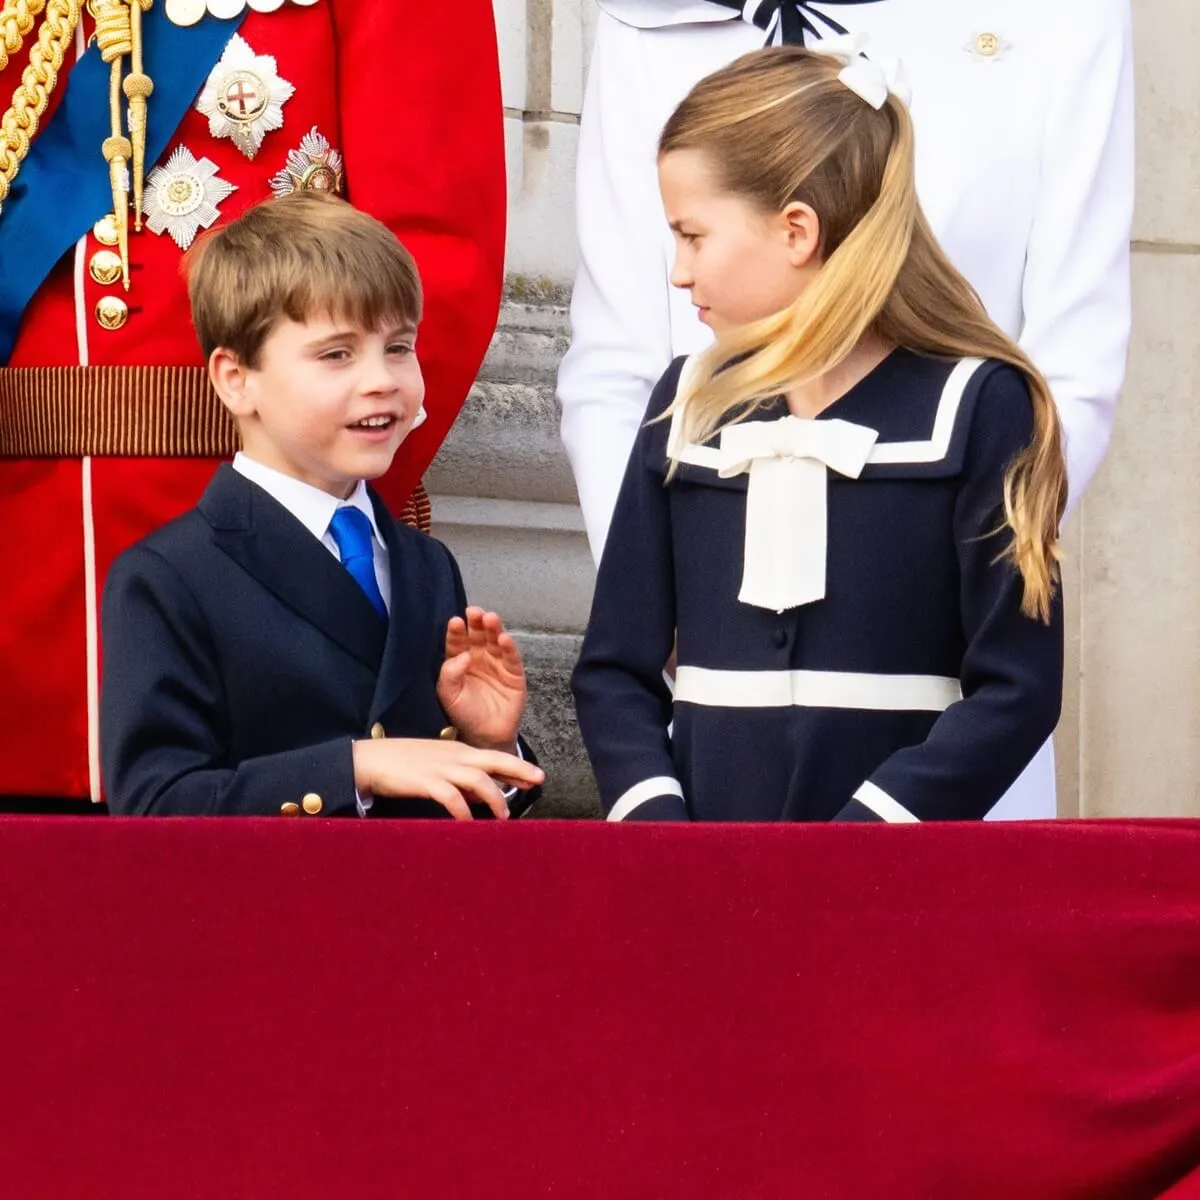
x=351 y=530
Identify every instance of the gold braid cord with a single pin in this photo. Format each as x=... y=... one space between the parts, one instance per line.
x=119 y=33
x=29 y=101
x=137 y=87
x=16 y=22
x=114 y=36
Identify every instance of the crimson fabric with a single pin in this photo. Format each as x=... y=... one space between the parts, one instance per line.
x=307 y=1008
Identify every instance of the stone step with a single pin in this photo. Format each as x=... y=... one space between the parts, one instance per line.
x=550 y=726
x=529 y=561
x=504 y=501
x=505 y=444
x=526 y=559
x=528 y=344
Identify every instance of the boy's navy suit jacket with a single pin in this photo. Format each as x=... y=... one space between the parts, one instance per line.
x=241 y=659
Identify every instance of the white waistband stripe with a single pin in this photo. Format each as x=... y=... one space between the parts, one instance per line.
x=815 y=689
x=882 y=805
x=640 y=793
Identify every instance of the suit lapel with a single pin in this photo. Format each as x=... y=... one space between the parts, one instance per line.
x=262 y=537
x=412 y=628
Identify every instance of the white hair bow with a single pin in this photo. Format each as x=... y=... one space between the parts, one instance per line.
x=862 y=75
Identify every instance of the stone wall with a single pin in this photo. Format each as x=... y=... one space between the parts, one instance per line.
x=1129 y=741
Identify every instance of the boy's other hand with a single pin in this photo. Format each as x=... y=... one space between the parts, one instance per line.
x=448 y=772
x=482 y=682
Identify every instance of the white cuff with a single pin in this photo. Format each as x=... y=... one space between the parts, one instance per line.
x=640 y=793
x=883 y=806
x=509 y=792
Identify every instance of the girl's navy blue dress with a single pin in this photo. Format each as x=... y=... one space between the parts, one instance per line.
x=914 y=689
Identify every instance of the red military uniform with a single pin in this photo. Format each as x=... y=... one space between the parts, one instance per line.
x=406 y=93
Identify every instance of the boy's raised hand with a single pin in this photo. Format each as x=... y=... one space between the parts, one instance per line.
x=482 y=682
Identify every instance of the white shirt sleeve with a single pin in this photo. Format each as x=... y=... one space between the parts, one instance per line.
x=1076 y=295
x=621 y=334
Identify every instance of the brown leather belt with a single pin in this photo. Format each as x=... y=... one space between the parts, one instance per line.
x=118 y=412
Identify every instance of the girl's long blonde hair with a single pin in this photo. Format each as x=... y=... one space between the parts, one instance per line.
x=778 y=126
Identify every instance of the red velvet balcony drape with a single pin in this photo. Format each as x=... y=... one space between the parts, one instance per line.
x=369 y=1009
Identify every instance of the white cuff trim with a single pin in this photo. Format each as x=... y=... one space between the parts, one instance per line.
x=640 y=793
x=882 y=805
x=510 y=792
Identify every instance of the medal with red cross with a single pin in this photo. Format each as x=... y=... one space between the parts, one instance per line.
x=244 y=97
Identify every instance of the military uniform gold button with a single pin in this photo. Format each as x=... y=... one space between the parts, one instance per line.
x=987 y=45
x=289 y=809
x=111 y=312
x=105 y=231
x=378 y=731
x=449 y=734
x=312 y=804
x=105 y=267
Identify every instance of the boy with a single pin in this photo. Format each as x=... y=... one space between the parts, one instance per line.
x=108 y=425
x=263 y=651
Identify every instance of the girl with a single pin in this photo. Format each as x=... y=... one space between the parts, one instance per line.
x=845 y=514
x=1024 y=117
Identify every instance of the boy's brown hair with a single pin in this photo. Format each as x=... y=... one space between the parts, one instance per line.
x=297 y=257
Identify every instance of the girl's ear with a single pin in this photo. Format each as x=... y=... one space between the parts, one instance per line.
x=803 y=228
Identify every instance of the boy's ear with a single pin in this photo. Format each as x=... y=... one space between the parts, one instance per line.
x=803 y=228
x=229 y=379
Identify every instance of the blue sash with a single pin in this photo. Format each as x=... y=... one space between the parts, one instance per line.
x=63 y=187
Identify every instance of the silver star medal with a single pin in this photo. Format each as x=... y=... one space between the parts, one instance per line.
x=182 y=196
x=244 y=97
x=315 y=167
